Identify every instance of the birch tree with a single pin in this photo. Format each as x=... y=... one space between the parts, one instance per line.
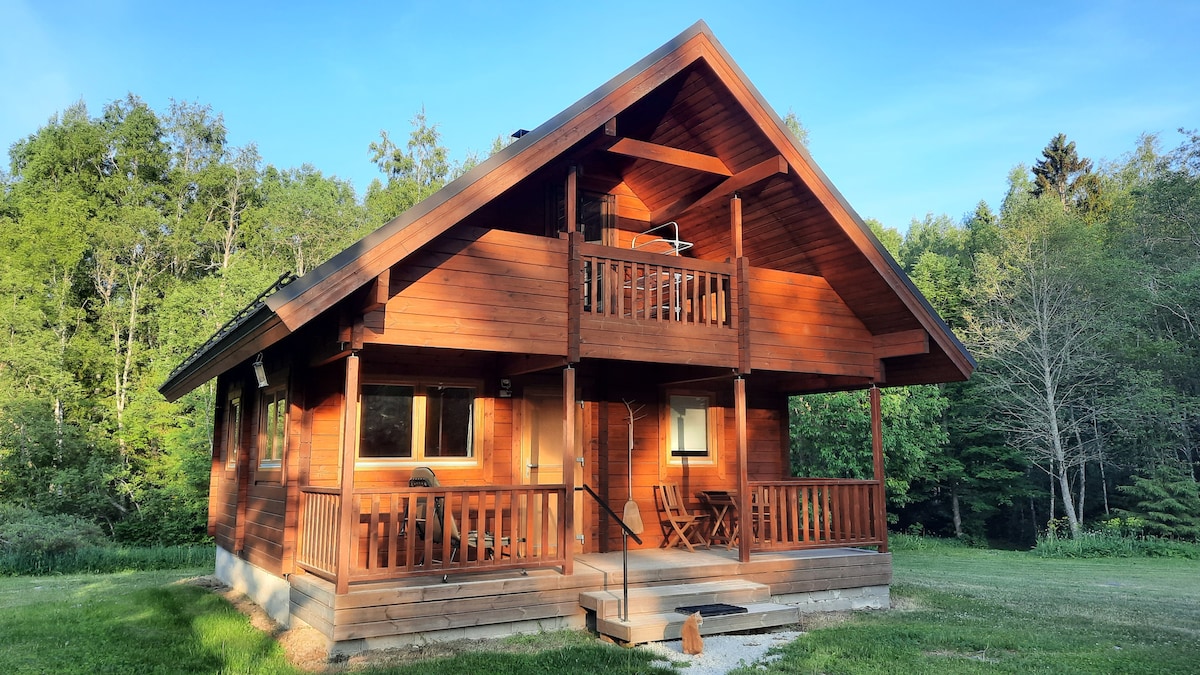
x=1040 y=337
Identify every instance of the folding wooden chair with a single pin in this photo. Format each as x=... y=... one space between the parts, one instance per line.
x=680 y=525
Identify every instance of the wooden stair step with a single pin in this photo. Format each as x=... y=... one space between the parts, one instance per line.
x=659 y=599
x=654 y=627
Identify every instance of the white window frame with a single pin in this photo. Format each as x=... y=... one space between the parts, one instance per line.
x=420 y=409
x=673 y=455
x=273 y=396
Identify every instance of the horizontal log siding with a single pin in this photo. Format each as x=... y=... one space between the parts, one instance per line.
x=799 y=324
x=488 y=290
x=650 y=466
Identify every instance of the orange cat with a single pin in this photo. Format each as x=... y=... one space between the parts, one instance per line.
x=692 y=644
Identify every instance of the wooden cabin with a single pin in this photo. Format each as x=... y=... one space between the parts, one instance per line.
x=420 y=437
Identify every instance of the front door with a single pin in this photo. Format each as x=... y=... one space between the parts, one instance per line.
x=542 y=449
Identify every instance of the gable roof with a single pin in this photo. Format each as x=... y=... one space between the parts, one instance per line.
x=800 y=221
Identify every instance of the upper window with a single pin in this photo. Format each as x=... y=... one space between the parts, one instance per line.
x=273 y=428
x=233 y=428
x=417 y=422
x=687 y=426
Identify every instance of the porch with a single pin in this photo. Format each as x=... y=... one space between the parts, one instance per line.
x=381 y=614
x=401 y=533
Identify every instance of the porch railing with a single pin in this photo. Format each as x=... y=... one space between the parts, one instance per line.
x=402 y=532
x=641 y=286
x=816 y=513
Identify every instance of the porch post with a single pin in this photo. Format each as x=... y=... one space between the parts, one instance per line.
x=877 y=453
x=346 y=506
x=745 y=515
x=568 y=463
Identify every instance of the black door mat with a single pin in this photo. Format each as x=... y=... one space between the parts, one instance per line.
x=716 y=609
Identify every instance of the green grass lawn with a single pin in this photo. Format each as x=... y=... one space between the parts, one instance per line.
x=957 y=611
x=967 y=611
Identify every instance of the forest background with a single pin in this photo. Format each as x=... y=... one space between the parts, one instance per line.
x=129 y=237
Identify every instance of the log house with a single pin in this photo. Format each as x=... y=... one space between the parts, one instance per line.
x=664 y=242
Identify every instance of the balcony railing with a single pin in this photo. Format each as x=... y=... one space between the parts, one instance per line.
x=416 y=531
x=647 y=287
x=816 y=513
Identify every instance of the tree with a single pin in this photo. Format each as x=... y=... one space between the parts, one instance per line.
x=794 y=125
x=831 y=435
x=1038 y=331
x=1168 y=500
x=1066 y=176
x=412 y=173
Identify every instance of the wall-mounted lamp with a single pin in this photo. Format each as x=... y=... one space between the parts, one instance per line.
x=260 y=372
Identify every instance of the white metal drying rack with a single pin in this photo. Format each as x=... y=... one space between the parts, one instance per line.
x=675 y=246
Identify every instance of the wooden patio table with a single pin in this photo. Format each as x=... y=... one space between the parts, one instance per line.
x=722 y=505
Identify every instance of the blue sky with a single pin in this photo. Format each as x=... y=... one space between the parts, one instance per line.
x=912 y=107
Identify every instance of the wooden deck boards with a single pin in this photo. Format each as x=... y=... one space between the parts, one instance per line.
x=423 y=606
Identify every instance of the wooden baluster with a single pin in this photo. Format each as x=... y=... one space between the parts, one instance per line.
x=393 y=530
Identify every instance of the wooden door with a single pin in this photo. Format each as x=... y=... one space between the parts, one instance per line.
x=542 y=448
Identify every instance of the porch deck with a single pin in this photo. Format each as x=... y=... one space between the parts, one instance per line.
x=385 y=614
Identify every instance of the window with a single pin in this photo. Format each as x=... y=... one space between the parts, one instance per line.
x=417 y=422
x=273 y=428
x=687 y=426
x=233 y=428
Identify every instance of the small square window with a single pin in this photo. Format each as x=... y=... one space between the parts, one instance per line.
x=688 y=426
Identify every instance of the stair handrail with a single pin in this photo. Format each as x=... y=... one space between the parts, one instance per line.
x=608 y=509
x=625 y=535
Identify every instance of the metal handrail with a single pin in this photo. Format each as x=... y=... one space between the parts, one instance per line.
x=626 y=533
x=608 y=509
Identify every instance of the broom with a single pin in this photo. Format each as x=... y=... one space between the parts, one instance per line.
x=632 y=515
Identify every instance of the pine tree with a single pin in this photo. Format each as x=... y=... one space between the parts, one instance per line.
x=1064 y=174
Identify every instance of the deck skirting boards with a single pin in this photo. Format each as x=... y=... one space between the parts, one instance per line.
x=380 y=615
x=271 y=592
x=838 y=599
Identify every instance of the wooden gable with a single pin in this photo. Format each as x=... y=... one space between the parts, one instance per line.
x=670 y=139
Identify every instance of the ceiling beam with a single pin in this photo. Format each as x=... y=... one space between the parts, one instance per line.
x=739 y=181
x=668 y=155
x=901 y=343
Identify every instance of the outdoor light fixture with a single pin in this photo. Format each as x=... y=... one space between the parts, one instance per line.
x=260 y=372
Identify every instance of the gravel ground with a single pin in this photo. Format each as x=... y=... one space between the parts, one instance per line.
x=722 y=653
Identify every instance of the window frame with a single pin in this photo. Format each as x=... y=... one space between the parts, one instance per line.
x=673 y=457
x=231 y=443
x=273 y=397
x=419 y=424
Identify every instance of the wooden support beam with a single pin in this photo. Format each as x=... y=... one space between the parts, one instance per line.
x=735 y=225
x=347 y=516
x=523 y=364
x=668 y=155
x=743 y=314
x=568 y=463
x=571 y=200
x=574 y=295
x=744 y=506
x=739 y=181
x=740 y=284
x=818 y=384
x=378 y=292
x=877 y=456
x=901 y=343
